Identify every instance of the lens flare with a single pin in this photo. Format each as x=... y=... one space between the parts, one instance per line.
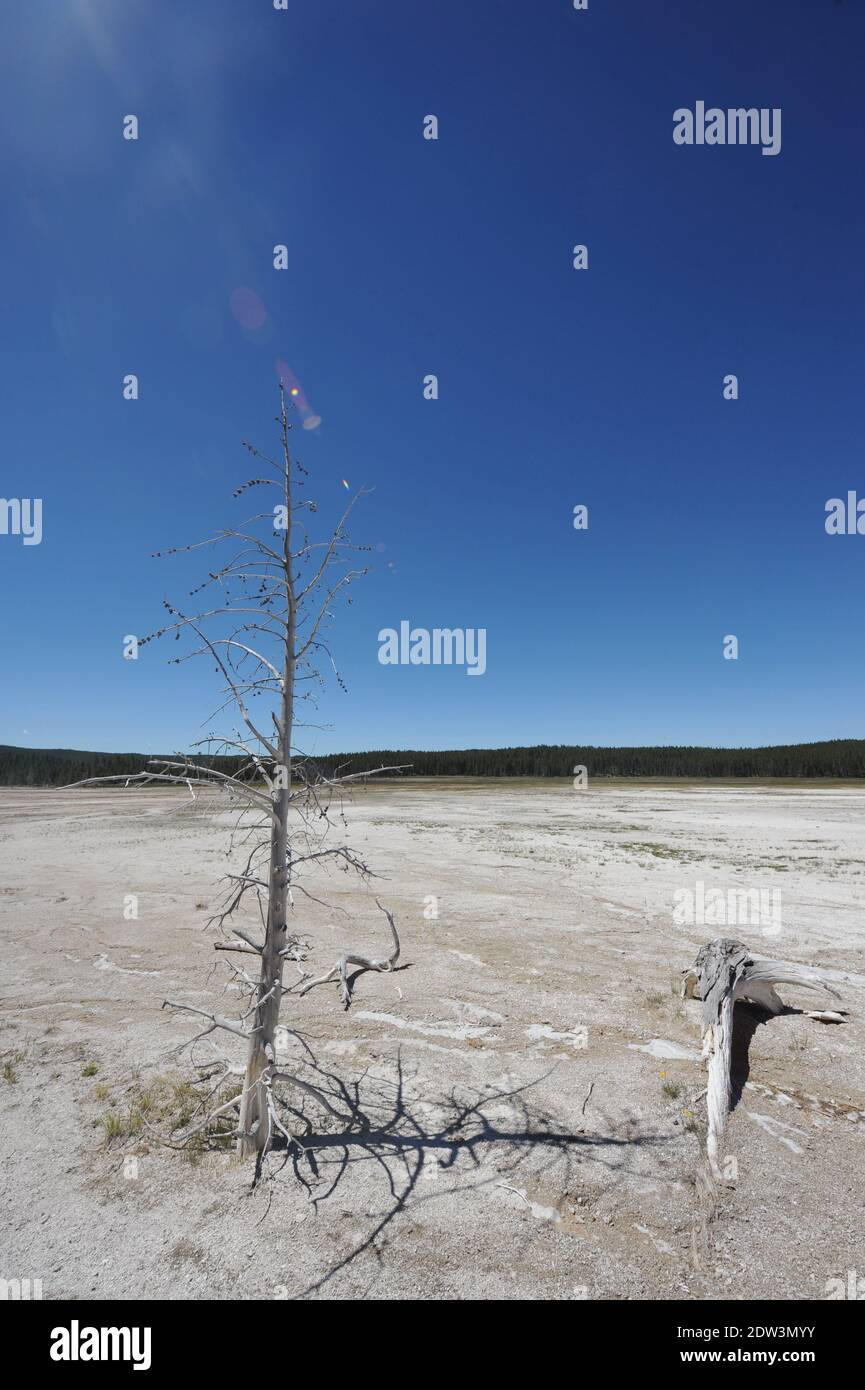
x=286 y=377
x=248 y=309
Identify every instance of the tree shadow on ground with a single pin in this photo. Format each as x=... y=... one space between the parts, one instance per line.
x=480 y=1138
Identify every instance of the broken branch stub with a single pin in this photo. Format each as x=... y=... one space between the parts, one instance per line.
x=362 y=962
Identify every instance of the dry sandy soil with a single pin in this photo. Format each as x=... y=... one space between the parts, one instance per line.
x=526 y=1089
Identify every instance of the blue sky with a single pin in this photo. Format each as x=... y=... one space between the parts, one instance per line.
x=452 y=257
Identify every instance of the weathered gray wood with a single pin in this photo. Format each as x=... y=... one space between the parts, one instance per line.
x=362 y=962
x=725 y=971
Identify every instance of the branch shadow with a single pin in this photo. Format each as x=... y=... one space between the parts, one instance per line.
x=481 y=1139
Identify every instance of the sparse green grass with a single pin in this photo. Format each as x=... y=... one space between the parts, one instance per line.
x=167 y=1105
x=659 y=851
x=186 y=1252
x=114 y=1126
x=91 y=1069
x=10 y=1069
x=671 y=1089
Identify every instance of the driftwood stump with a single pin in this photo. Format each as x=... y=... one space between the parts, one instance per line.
x=723 y=972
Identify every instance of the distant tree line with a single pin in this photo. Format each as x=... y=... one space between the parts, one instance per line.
x=52 y=767
x=55 y=767
x=837 y=758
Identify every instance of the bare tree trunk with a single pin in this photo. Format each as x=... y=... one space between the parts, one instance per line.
x=254 y=1113
x=254 y=1126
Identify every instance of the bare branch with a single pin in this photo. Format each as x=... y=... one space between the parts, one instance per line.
x=340 y=969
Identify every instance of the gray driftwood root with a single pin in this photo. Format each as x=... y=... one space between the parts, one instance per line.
x=723 y=972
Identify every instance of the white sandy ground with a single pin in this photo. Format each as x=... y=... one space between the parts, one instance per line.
x=519 y=1141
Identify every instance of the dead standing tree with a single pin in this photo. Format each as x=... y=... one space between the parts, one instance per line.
x=276 y=602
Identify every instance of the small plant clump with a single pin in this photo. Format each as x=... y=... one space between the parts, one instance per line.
x=165 y=1106
x=10 y=1068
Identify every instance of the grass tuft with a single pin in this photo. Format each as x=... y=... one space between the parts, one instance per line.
x=168 y=1105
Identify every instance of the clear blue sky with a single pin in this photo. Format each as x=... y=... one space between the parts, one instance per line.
x=453 y=257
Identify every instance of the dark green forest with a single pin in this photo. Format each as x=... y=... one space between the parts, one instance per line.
x=53 y=767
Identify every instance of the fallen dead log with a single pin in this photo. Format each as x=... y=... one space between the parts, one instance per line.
x=724 y=972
